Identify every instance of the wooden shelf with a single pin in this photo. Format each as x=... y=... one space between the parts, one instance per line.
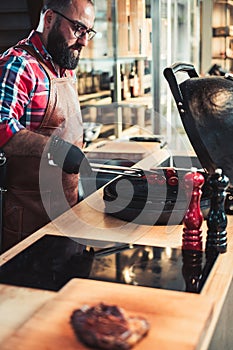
x=222 y=38
x=224 y=2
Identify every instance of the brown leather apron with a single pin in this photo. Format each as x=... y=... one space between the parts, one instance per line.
x=38 y=192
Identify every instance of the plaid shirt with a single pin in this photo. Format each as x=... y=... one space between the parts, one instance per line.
x=24 y=88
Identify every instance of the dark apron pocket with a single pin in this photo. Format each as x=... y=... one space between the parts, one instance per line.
x=24 y=213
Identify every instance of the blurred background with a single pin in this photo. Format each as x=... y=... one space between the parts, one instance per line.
x=120 y=75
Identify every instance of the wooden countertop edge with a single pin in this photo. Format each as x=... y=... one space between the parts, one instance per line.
x=213 y=289
x=9 y=254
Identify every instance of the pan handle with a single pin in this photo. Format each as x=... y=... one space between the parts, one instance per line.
x=117 y=170
x=169 y=74
x=183 y=67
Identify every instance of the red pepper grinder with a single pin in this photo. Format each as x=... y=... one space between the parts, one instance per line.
x=192 y=239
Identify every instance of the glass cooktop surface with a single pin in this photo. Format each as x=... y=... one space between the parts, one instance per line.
x=52 y=261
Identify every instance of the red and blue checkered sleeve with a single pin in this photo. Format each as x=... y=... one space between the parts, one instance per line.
x=17 y=83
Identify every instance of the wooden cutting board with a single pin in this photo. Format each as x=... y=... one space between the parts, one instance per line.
x=177 y=320
x=126 y=150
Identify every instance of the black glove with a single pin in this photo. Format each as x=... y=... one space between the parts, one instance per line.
x=68 y=157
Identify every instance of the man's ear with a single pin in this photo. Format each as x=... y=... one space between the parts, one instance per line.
x=49 y=18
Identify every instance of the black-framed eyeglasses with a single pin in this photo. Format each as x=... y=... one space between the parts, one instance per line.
x=80 y=29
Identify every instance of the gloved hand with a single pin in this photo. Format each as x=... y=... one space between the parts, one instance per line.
x=68 y=157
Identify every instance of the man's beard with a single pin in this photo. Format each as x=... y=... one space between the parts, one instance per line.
x=59 y=50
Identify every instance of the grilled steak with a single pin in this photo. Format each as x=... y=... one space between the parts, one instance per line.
x=108 y=327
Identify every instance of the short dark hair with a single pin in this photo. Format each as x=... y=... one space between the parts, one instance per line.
x=58 y=5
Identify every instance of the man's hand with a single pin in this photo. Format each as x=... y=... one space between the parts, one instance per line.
x=68 y=157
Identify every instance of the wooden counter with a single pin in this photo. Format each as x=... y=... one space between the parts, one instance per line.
x=189 y=323
x=125 y=150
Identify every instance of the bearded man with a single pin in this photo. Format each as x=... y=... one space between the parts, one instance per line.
x=41 y=129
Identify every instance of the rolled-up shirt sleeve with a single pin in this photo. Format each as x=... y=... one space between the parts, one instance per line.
x=17 y=83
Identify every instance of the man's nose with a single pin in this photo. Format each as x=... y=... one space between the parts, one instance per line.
x=83 y=40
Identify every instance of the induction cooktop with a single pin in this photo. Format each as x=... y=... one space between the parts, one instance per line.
x=52 y=261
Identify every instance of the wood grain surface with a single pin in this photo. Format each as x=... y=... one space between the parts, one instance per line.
x=177 y=320
x=17 y=305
